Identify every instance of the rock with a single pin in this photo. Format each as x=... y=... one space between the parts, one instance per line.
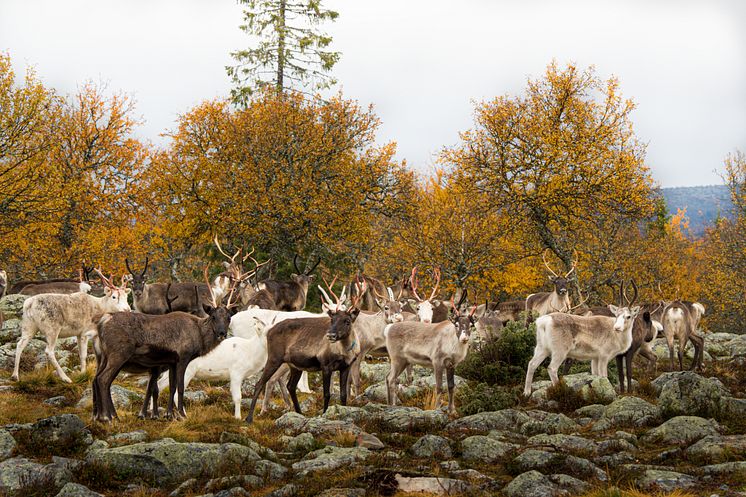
x=403 y=419
x=21 y=476
x=195 y=397
x=431 y=485
x=122 y=398
x=33 y=352
x=628 y=412
x=591 y=388
x=681 y=430
x=166 y=462
x=506 y=419
x=302 y=444
x=485 y=449
x=128 y=438
x=233 y=492
x=737 y=346
x=62 y=433
x=717 y=449
x=186 y=486
x=57 y=401
x=727 y=469
x=369 y=442
x=666 y=481
x=269 y=470
x=12 y=306
x=97 y=445
x=294 y=423
x=548 y=462
x=733 y=408
x=687 y=393
x=535 y=484
x=593 y=411
x=432 y=446
x=76 y=490
x=564 y=443
x=378 y=392
x=289 y=490
x=329 y=458
x=10 y=331
x=231 y=482
x=548 y=422
x=241 y=439
x=8 y=445
x=342 y=492
x=614 y=445
x=72 y=465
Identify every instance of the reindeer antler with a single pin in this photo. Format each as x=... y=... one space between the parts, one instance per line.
x=634 y=286
x=209 y=287
x=360 y=291
x=106 y=281
x=329 y=287
x=220 y=249
x=413 y=282
x=544 y=258
x=436 y=275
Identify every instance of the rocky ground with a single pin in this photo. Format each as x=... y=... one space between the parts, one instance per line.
x=681 y=434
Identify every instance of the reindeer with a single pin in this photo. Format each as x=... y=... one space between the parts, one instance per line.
x=431 y=310
x=312 y=344
x=557 y=300
x=290 y=295
x=152 y=298
x=234 y=274
x=135 y=341
x=374 y=288
x=3 y=283
x=63 y=316
x=440 y=346
x=678 y=323
x=595 y=338
x=490 y=322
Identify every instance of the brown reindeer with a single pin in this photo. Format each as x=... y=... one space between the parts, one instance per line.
x=558 y=300
x=290 y=295
x=313 y=344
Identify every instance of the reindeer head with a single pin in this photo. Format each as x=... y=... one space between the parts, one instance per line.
x=115 y=297
x=424 y=308
x=560 y=282
x=463 y=321
x=341 y=317
x=390 y=306
x=219 y=312
x=301 y=277
x=625 y=314
x=138 y=279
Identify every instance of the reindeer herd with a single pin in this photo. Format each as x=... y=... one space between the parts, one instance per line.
x=237 y=326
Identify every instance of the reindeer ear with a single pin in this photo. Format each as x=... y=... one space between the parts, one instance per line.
x=354 y=313
x=107 y=291
x=207 y=308
x=128 y=291
x=226 y=265
x=551 y=278
x=329 y=311
x=435 y=302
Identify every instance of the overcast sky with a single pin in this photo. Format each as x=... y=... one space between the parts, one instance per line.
x=422 y=63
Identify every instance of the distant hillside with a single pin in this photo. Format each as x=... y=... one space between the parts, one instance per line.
x=703 y=204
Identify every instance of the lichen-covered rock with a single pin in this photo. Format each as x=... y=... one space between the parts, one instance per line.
x=550 y=462
x=166 y=462
x=402 y=419
x=269 y=470
x=128 y=438
x=294 y=423
x=431 y=485
x=77 y=490
x=57 y=401
x=485 y=449
x=20 y=476
x=716 y=449
x=329 y=458
x=548 y=422
x=12 y=305
x=342 y=492
x=369 y=441
x=727 y=469
x=565 y=443
x=34 y=350
x=122 y=398
x=535 y=484
x=681 y=430
x=228 y=482
x=7 y=445
x=666 y=481
x=64 y=433
x=591 y=388
x=432 y=446
x=506 y=419
x=687 y=393
x=593 y=411
x=10 y=331
x=302 y=443
x=628 y=412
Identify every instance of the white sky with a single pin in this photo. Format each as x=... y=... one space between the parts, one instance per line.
x=422 y=63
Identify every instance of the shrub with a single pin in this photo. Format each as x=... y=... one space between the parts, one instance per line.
x=502 y=359
x=484 y=398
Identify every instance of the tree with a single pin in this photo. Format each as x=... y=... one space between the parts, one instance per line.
x=291 y=51
x=562 y=162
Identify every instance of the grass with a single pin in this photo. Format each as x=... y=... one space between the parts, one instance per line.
x=615 y=492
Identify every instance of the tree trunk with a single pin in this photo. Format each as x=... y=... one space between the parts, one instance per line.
x=281 y=46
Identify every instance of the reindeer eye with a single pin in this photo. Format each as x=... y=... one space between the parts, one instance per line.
x=386 y=308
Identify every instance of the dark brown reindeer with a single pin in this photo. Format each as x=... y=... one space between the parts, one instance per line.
x=374 y=287
x=432 y=309
x=558 y=300
x=290 y=295
x=313 y=344
x=151 y=298
x=139 y=342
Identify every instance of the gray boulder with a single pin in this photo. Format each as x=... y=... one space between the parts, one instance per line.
x=122 y=398
x=548 y=462
x=12 y=306
x=506 y=419
x=687 y=393
x=302 y=443
x=33 y=352
x=76 y=490
x=294 y=423
x=535 y=484
x=432 y=446
x=7 y=445
x=485 y=449
x=681 y=430
x=666 y=481
x=591 y=388
x=565 y=443
x=548 y=422
x=167 y=462
x=10 y=330
x=128 y=438
x=431 y=485
x=628 y=412
x=62 y=433
x=728 y=469
x=329 y=458
x=403 y=419
x=716 y=449
x=21 y=476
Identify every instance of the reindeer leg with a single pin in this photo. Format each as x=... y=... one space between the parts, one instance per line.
x=628 y=360
x=450 y=371
x=148 y=395
x=293 y=380
x=269 y=369
x=553 y=367
x=327 y=378
x=539 y=355
x=28 y=330
x=49 y=351
x=438 y=372
x=82 y=351
x=669 y=341
x=620 y=371
x=172 y=390
x=397 y=366
x=344 y=384
x=180 y=371
x=154 y=374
